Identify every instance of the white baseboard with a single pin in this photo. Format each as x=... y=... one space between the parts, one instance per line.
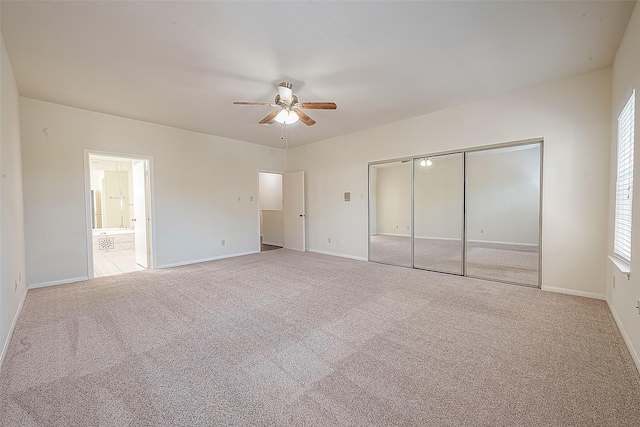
x=392 y=234
x=625 y=337
x=593 y=295
x=497 y=242
x=196 y=261
x=317 y=251
x=5 y=345
x=439 y=238
x=58 y=282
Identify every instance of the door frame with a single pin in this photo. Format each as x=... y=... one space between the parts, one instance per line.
x=259 y=171
x=151 y=236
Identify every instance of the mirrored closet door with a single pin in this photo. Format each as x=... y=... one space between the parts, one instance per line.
x=438 y=213
x=473 y=213
x=390 y=213
x=503 y=214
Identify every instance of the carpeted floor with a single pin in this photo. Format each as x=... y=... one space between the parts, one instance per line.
x=289 y=338
x=493 y=261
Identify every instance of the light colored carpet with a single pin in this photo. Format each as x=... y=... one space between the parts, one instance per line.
x=288 y=338
x=493 y=261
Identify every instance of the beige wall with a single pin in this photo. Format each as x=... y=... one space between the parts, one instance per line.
x=393 y=199
x=503 y=194
x=573 y=117
x=625 y=295
x=12 y=245
x=438 y=197
x=202 y=188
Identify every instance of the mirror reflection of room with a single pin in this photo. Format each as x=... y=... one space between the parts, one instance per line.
x=503 y=214
x=486 y=227
x=390 y=213
x=438 y=212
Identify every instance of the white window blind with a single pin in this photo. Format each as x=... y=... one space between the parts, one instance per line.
x=624 y=183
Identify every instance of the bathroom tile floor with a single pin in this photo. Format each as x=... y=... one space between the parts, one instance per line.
x=107 y=263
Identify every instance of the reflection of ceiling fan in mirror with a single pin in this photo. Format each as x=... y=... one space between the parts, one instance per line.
x=288 y=109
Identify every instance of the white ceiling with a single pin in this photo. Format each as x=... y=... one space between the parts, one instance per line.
x=182 y=63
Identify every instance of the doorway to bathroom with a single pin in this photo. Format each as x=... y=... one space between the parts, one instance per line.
x=118 y=203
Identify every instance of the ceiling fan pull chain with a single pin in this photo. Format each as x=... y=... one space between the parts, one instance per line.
x=284 y=136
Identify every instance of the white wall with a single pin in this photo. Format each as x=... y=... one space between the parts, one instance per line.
x=503 y=195
x=573 y=117
x=272 y=227
x=624 y=297
x=201 y=186
x=393 y=199
x=12 y=245
x=373 y=201
x=439 y=196
x=116 y=185
x=270 y=191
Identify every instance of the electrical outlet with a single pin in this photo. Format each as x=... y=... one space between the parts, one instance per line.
x=223 y=242
x=251 y=198
x=329 y=240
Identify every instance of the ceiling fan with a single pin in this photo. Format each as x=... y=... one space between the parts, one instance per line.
x=288 y=109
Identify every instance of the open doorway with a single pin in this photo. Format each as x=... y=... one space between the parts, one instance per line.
x=118 y=200
x=270 y=202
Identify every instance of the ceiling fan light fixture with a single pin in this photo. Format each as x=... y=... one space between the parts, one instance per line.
x=286 y=117
x=285 y=91
x=288 y=109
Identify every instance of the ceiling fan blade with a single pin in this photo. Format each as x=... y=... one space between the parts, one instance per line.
x=269 y=118
x=318 y=105
x=251 y=103
x=304 y=118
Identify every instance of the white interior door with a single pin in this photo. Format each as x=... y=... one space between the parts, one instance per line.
x=293 y=215
x=140 y=213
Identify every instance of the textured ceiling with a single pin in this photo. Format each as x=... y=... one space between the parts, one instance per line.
x=182 y=64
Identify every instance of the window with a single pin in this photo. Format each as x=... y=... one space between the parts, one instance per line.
x=624 y=182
